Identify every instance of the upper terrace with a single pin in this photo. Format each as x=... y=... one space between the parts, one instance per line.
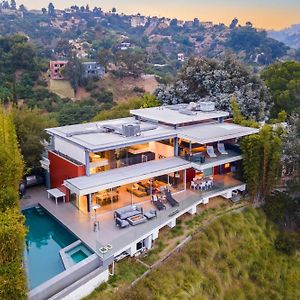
x=176 y=114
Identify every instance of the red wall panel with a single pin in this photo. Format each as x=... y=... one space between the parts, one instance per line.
x=61 y=169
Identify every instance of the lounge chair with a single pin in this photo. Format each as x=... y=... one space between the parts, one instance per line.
x=221 y=148
x=210 y=151
x=150 y=214
x=158 y=204
x=121 y=223
x=171 y=200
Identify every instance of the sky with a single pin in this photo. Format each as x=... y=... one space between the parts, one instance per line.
x=268 y=14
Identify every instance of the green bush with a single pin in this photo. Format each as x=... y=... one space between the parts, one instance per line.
x=287 y=243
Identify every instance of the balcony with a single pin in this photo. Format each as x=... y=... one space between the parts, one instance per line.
x=201 y=161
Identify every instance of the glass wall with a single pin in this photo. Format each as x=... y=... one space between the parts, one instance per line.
x=111 y=159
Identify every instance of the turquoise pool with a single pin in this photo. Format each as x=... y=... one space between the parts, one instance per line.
x=46 y=236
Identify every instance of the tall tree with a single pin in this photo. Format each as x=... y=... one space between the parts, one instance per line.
x=283 y=81
x=74 y=71
x=51 y=10
x=218 y=81
x=12 y=230
x=262 y=155
x=30 y=127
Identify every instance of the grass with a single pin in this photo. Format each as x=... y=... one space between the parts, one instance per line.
x=126 y=271
x=153 y=254
x=62 y=88
x=233 y=258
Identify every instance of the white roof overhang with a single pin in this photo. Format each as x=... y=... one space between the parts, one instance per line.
x=214 y=132
x=116 y=177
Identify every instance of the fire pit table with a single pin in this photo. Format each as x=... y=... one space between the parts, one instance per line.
x=137 y=219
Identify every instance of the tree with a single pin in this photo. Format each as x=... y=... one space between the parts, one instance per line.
x=233 y=23
x=22 y=8
x=77 y=112
x=130 y=62
x=105 y=57
x=283 y=81
x=173 y=23
x=253 y=43
x=51 y=10
x=13 y=5
x=74 y=71
x=30 y=128
x=12 y=230
x=218 y=81
x=262 y=161
x=44 y=10
x=121 y=110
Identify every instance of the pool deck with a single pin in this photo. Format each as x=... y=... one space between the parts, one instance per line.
x=81 y=224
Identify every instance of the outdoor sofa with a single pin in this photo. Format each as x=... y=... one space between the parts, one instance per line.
x=122 y=223
x=128 y=211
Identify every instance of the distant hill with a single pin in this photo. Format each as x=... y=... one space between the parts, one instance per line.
x=290 y=36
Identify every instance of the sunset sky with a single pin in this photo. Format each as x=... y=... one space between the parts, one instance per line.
x=262 y=13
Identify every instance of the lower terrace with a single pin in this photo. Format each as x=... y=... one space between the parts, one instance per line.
x=82 y=224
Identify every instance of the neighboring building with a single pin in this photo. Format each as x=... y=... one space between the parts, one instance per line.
x=55 y=67
x=180 y=57
x=138 y=21
x=207 y=24
x=93 y=69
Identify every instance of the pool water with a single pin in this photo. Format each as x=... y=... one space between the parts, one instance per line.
x=45 y=237
x=78 y=256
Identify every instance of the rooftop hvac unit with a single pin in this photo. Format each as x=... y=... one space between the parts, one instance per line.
x=131 y=130
x=207 y=106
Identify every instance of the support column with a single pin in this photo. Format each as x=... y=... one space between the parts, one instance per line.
x=176 y=146
x=148 y=242
x=132 y=249
x=89 y=202
x=184 y=179
x=221 y=120
x=193 y=210
x=155 y=234
x=87 y=163
x=172 y=223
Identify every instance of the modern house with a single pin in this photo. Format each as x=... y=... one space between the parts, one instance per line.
x=115 y=184
x=162 y=160
x=93 y=69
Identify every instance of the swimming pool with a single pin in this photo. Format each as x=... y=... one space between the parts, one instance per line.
x=45 y=238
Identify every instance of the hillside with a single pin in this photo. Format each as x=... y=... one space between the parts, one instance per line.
x=290 y=36
x=159 y=40
x=233 y=258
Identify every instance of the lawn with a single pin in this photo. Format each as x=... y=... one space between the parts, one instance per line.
x=232 y=258
x=62 y=88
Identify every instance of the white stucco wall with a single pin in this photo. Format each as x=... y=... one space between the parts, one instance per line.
x=88 y=287
x=69 y=149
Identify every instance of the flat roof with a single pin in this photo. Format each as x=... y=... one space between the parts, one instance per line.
x=172 y=116
x=213 y=132
x=87 y=138
x=116 y=177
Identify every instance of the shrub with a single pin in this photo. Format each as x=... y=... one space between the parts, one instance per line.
x=287 y=243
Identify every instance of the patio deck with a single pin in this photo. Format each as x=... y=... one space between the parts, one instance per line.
x=217 y=161
x=81 y=224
